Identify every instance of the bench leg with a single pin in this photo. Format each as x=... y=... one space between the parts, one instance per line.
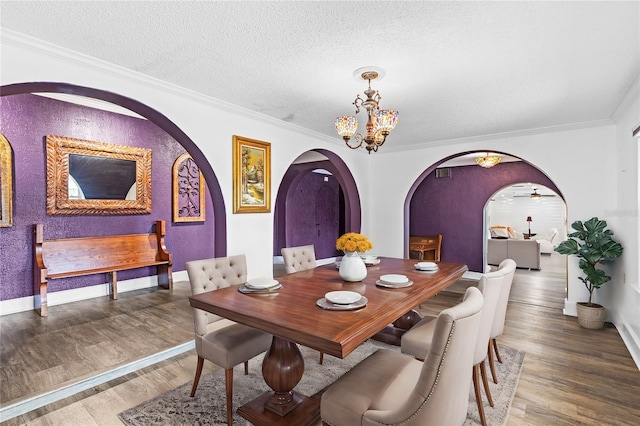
x=113 y=285
x=165 y=278
x=40 y=300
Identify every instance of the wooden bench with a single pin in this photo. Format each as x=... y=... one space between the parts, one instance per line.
x=73 y=257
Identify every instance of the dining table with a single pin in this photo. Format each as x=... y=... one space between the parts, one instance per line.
x=297 y=313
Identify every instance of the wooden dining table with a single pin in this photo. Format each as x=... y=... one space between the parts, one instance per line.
x=293 y=317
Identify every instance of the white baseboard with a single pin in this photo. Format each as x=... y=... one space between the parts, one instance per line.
x=570 y=308
x=630 y=338
x=23 y=304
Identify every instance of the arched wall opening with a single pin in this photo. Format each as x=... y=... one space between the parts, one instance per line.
x=160 y=120
x=454 y=205
x=290 y=230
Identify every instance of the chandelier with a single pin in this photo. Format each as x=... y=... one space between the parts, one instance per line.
x=380 y=122
x=488 y=161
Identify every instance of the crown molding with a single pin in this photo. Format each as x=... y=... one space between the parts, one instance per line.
x=41 y=47
x=506 y=135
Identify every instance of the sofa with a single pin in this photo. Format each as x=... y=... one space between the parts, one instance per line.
x=526 y=253
x=547 y=245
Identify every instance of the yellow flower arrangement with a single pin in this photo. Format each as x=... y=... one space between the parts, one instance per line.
x=353 y=241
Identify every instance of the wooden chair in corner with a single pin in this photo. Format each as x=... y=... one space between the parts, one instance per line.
x=425 y=248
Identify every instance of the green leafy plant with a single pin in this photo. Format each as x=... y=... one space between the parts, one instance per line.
x=593 y=245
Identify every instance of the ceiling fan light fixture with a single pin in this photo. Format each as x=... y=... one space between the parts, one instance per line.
x=488 y=161
x=536 y=195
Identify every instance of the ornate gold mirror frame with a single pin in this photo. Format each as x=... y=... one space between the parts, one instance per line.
x=6 y=183
x=60 y=148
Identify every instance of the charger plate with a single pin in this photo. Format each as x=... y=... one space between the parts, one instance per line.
x=325 y=304
x=248 y=290
x=387 y=285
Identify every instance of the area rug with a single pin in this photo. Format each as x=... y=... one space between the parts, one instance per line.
x=208 y=407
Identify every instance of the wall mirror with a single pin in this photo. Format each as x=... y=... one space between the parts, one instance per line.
x=6 y=183
x=97 y=178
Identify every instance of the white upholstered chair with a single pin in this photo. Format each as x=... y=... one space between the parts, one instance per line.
x=219 y=340
x=508 y=266
x=546 y=241
x=298 y=258
x=391 y=388
x=417 y=341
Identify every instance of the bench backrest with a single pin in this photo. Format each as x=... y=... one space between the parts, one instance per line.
x=115 y=252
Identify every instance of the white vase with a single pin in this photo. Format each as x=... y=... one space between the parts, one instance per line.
x=352 y=267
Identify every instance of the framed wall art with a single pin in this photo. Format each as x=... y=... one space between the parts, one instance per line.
x=6 y=183
x=251 y=175
x=188 y=190
x=97 y=178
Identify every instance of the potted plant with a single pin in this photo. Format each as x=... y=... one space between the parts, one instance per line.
x=593 y=245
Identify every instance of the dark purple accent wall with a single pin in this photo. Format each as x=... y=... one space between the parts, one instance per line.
x=313 y=213
x=160 y=120
x=349 y=200
x=454 y=207
x=25 y=121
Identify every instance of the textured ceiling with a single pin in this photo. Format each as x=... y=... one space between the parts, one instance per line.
x=453 y=69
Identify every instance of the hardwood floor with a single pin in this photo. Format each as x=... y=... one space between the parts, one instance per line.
x=570 y=375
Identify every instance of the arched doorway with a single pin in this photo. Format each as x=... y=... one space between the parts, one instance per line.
x=154 y=116
x=532 y=212
x=317 y=201
x=449 y=197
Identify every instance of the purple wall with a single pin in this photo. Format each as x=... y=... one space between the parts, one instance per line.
x=313 y=213
x=25 y=121
x=454 y=207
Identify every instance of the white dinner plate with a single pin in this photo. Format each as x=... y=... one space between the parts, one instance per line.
x=394 y=279
x=429 y=269
x=342 y=297
x=426 y=265
x=262 y=283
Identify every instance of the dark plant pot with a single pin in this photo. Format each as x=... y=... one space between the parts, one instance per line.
x=591 y=317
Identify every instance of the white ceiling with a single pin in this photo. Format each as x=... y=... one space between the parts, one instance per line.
x=453 y=69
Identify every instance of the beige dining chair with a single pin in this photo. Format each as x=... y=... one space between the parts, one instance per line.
x=508 y=266
x=417 y=340
x=219 y=340
x=392 y=388
x=300 y=258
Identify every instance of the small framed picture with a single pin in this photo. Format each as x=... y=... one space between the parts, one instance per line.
x=188 y=190
x=251 y=175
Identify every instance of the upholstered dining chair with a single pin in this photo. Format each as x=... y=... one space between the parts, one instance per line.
x=392 y=388
x=417 y=341
x=508 y=266
x=300 y=258
x=219 y=340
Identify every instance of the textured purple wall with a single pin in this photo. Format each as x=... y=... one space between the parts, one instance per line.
x=454 y=207
x=313 y=213
x=25 y=121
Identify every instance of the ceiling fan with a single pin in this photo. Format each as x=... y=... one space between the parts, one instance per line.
x=535 y=195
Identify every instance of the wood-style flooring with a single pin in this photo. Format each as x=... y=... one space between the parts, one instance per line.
x=570 y=375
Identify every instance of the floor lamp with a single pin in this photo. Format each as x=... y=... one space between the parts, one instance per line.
x=529 y=220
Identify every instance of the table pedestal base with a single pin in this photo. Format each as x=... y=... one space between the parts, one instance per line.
x=392 y=334
x=306 y=412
